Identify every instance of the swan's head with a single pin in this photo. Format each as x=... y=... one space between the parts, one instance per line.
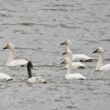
x=9 y=45
x=99 y=50
x=66 y=42
x=29 y=64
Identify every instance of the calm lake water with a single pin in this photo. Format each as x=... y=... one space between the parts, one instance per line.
x=37 y=27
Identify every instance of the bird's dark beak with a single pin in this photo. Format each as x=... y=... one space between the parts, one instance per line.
x=64 y=53
x=63 y=62
x=95 y=51
x=62 y=43
x=5 y=48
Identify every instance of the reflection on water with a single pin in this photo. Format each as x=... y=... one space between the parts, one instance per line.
x=37 y=28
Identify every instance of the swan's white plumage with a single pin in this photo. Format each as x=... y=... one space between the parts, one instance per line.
x=11 y=61
x=100 y=65
x=70 y=75
x=67 y=60
x=105 y=67
x=81 y=57
x=4 y=76
x=17 y=62
x=75 y=57
x=37 y=79
x=74 y=76
x=76 y=65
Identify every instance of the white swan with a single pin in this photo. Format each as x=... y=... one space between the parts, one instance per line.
x=11 y=61
x=67 y=58
x=4 y=76
x=70 y=75
x=31 y=79
x=100 y=65
x=75 y=57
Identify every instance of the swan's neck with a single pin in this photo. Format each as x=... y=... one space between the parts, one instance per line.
x=100 y=61
x=29 y=71
x=69 y=69
x=67 y=46
x=11 y=55
x=68 y=50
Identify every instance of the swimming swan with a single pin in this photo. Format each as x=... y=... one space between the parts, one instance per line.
x=70 y=75
x=33 y=79
x=81 y=57
x=11 y=61
x=75 y=65
x=4 y=76
x=100 y=65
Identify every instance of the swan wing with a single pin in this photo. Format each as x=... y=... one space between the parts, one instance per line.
x=31 y=80
x=81 y=57
x=4 y=76
x=40 y=79
x=37 y=79
x=17 y=62
x=78 y=65
x=105 y=67
x=74 y=76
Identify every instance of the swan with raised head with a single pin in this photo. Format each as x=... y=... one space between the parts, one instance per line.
x=31 y=79
x=75 y=57
x=75 y=65
x=70 y=75
x=100 y=65
x=11 y=61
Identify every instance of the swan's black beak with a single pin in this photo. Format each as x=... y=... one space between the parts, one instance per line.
x=63 y=43
x=64 y=53
x=5 y=48
x=95 y=51
x=63 y=62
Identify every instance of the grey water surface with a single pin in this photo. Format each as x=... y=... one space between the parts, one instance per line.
x=37 y=27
